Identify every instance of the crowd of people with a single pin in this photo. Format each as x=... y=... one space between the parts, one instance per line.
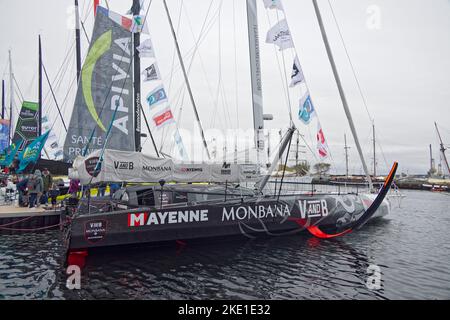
x=40 y=188
x=37 y=189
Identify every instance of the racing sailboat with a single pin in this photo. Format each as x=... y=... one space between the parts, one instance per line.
x=163 y=211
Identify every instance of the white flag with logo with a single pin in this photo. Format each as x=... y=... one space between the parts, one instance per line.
x=297 y=73
x=273 y=4
x=151 y=73
x=280 y=35
x=146 y=49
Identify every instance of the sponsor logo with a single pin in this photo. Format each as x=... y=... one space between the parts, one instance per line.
x=123 y=165
x=255 y=212
x=282 y=34
x=27 y=113
x=157 y=169
x=90 y=165
x=28 y=129
x=95 y=230
x=313 y=208
x=168 y=217
x=226 y=169
x=100 y=47
x=191 y=169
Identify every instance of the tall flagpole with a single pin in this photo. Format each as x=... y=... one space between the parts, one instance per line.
x=186 y=79
x=342 y=94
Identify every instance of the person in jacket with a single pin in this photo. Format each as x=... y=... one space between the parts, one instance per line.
x=74 y=187
x=22 y=189
x=48 y=181
x=53 y=193
x=113 y=187
x=37 y=188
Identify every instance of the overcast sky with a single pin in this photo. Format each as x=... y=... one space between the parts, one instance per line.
x=400 y=51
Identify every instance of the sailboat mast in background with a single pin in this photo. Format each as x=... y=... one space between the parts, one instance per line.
x=342 y=94
x=346 y=155
x=39 y=128
x=444 y=157
x=11 y=98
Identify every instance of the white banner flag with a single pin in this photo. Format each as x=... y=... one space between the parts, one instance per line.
x=273 y=4
x=280 y=35
x=146 y=49
x=297 y=73
x=151 y=73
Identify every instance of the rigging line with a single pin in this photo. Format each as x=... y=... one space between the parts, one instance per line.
x=283 y=82
x=181 y=91
x=59 y=75
x=174 y=50
x=206 y=28
x=284 y=168
x=32 y=81
x=18 y=95
x=235 y=65
x=306 y=143
x=63 y=105
x=58 y=84
x=221 y=84
x=216 y=97
x=18 y=88
x=85 y=33
x=286 y=78
x=192 y=52
x=54 y=97
x=304 y=81
x=350 y=61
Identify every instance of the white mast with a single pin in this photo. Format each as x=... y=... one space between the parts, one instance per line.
x=342 y=94
x=255 y=68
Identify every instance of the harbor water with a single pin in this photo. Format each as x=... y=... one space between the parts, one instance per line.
x=411 y=248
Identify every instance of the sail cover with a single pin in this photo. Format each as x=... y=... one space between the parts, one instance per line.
x=122 y=166
x=27 y=125
x=105 y=85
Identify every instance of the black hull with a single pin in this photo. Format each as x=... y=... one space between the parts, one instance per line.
x=324 y=216
x=251 y=218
